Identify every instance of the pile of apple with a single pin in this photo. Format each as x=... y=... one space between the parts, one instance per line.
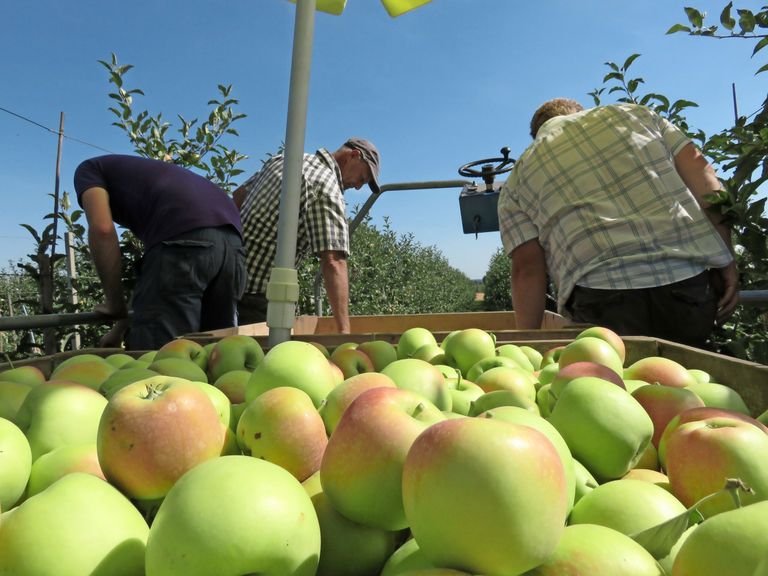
x=414 y=459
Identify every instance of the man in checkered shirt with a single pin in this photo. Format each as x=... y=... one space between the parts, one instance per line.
x=323 y=228
x=609 y=202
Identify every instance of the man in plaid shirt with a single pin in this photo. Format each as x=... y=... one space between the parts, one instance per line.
x=322 y=229
x=610 y=203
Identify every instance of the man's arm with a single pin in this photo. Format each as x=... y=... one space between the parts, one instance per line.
x=529 y=284
x=700 y=178
x=238 y=196
x=334 y=267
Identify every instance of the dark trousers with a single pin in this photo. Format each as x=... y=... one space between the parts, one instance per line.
x=252 y=309
x=190 y=283
x=683 y=312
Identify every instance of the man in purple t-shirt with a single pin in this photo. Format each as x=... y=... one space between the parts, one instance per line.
x=192 y=271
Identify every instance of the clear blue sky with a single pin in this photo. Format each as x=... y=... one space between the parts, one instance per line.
x=446 y=84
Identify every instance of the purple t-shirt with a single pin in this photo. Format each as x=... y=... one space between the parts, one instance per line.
x=156 y=200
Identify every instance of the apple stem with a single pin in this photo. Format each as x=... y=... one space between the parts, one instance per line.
x=154 y=391
x=418 y=410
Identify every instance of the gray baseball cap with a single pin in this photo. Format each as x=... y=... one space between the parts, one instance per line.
x=370 y=154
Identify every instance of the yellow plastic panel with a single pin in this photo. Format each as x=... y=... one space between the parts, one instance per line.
x=397 y=7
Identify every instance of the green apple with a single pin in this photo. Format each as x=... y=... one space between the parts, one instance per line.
x=699 y=375
x=719 y=396
x=647 y=475
x=30 y=375
x=609 y=336
x=57 y=414
x=490 y=362
x=90 y=373
x=585 y=482
x=119 y=359
x=534 y=356
x=185 y=349
x=508 y=378
x=12 y=395
x=64 y=460
x=122 y=378
x=431 y=353
x=515 y=415
x=148 y=356
x=76 y=359
x=283 y=426
x=657 y=369
x=155 y=430
x=595 y=550
x=322 y=348
x=662 y=403
x=422 y=378
x=233 y=384
x=413 y=339
x=606 y=429
x=502 y=398
x=348 y=548
x=545 y=400
x=15 y=464
x=702 y=454
x=380 y=352
x=468 y=347
x=293 y=363
x=351 y=361
x=591 y=349
x=79 y=525
x=547 y=373
x=236 y=352
x=361 y=470
x=406 y=560
x=579 y=370
x=519 y=490
x=552 y=355
x=463 y=394
x=520 y=356
x=731 y=543
x=231 y=516
x=178 y=367
x=627 y=505
x=339 y=399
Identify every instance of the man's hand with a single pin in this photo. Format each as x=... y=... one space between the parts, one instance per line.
x=114 y=337
x=729 y=298
x=111 y=309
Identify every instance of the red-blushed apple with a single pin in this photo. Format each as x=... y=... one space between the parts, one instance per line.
x=15 y=464
x=122 y=378
x=12 y=395
x=490 y=362
x=649 y=459
x=57 y=414
x=469 y=346
x=701 y=414
x=58 y=463
x=411 y=340
x=30 y=375
x=235 y=352
x=662 y=403
x=78 y=525
x=552 y=355
x=283 y=426
x=344 y=346
x=702 y=455
x=591 y=349
x=380 y=352
x=508 y=378
x=627 y=505
x=647 y=475
x=585 y=482
x=155 y=430
x=520 y=356
x=606 y=429
x=719 y=396
x=342 y=396
x=352 y=361
x=519 y=489
x=336 y=373
x=235 y=515
x=632 y=385
x=348 y=548
x=731 y=543
x=657 y=369
x=500 y=398
x=580 y=369
x=176 y=367
x=185 y=349
x=515 y=415
x=76 y=359
x=609 y=336
x=233 y=384
x=91 y=373
x=594 y=550
x=361 y=471
x=422 y=378
x=293 y=363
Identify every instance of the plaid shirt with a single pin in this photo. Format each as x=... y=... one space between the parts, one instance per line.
x=322 y=218
x=600 y=191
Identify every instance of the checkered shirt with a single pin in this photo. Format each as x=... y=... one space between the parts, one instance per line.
x=322 y=219
x=600 y=191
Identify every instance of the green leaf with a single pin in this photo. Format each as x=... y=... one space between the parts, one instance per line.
x=628 y=61
x=760 y=45
x=659 y=540
x=678 y=28
x=695 y=17
x=761 y=69
x=726 y=19
x=612 y=76
x=746 y=21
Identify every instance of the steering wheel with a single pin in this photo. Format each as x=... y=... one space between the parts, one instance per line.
x=490 y=167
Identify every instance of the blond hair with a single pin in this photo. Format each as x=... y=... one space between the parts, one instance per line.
x=552 y=108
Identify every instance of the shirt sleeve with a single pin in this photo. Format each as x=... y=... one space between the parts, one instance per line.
x=515 y=225
x=674 y=138
x=88 y=175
